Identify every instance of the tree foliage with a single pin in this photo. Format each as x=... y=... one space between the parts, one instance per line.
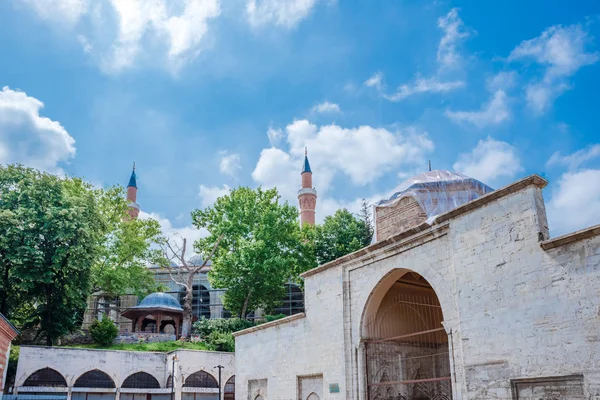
x=103 y=332
x=62 y=239
x=340 y=234
x=51 y=229
x=125 y=248
x=260 y=248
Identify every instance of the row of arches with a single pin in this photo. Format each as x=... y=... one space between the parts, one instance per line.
x=48 y=377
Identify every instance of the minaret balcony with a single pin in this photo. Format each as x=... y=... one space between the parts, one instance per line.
x=307 y=191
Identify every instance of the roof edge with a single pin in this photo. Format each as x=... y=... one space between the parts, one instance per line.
x=572 y=237
x=271 y=324
x=15 y=330
x=534 y=179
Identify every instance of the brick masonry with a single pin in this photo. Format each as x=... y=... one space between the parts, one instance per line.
x=516 y=305
x=7 y=333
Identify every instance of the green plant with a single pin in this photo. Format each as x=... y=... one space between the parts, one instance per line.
x=104 y=332
x=220 y=341
x=269 y=318
x=204 y=327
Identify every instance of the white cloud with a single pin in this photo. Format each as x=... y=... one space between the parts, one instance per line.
x=230 y=164
x=28 y=138
x=59 y=11
x=326 y=107
x=274 y=135
x=424 y=85
x=562 y=51
x=503 y=80
x=375 y=81
x=287 y=13
x=209 y=194
x=573 y=161
x=575 y=202
x=492 y=113
x=85 y=44
x=454 y=33
x=490 y=161
x=178 y=26
x=362 y=154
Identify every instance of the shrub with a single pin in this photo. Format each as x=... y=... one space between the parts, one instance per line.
x=220 y=341
x=269 y=318
x=104 y=332
x=204 y=327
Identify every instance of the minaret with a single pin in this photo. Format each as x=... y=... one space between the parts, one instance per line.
x=134 y=207
x=307 y=196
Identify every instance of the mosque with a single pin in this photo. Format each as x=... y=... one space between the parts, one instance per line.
x=463 y=294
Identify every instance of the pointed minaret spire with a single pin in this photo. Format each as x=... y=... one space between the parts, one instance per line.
x=307 y=196
x=134 y=208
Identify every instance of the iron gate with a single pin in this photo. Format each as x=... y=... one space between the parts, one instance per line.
x=408 y=359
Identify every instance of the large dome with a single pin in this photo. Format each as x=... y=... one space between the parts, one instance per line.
x=422 y=198
x=160 y=300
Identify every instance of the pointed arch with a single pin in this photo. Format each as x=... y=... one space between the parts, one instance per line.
x=46 y=377
x=140 y=380
x=201 y=379
x=313 y=396
x=95 y=379
x=229 y=390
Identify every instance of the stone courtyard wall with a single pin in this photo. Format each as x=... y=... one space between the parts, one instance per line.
x=517 y=307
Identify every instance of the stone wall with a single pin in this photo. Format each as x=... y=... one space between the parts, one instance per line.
x=512 y=310
x=71 y=363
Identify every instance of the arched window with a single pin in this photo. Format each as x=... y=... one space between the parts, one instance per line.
x=46 y=377
x=200 y=301
x=170 y=381
x=230 y=389
x=141 y=380
x=201 y=379
x=94 y=379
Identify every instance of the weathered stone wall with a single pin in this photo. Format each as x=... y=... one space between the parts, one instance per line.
x=512 y=310
x=72 y=363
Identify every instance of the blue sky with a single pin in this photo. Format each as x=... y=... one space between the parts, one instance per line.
x=205 y=95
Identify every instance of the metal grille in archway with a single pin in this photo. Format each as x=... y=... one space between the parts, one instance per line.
x=407 y=355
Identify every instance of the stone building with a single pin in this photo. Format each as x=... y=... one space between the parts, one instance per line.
x=473 y=301
x=86 y=374
x=7 y=333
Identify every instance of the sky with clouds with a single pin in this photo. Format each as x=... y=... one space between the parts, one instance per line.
x=206 y=95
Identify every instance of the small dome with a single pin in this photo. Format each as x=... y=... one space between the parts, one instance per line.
x=198 y=260
x=160 y=300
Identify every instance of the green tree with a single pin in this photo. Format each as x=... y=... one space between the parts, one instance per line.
x=52 y=228
x=259 y=249
x=103 y=332
x=127 y=246
x=340 y=234
x=365 y=216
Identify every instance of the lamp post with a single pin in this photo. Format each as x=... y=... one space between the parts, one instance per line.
x=173 y=378
x=220 y=368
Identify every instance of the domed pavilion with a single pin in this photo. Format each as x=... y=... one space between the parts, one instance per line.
x=155 y=312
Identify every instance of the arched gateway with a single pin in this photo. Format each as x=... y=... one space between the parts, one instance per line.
x=406 y=345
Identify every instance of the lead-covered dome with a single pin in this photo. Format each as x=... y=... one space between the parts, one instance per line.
x=160 y=300
x=422 y=198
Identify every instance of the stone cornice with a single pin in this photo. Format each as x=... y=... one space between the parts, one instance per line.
x=406 y=236
x=270 y=324
x=571 y=237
